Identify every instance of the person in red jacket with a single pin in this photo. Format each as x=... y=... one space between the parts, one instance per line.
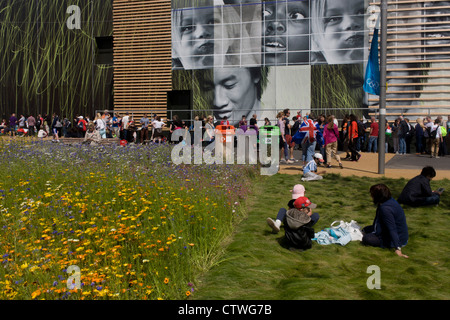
x=82 y=126
x=352 y=137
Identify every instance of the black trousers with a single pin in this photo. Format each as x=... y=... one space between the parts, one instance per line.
x=370 y=238
x=352 y=149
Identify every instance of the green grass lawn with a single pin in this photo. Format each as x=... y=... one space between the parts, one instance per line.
x=255 y=265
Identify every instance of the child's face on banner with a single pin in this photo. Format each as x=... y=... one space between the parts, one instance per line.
x=286 y=32
x=344 y=31
x=197 y=37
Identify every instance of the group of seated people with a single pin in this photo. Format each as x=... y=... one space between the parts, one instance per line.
x=389 y=228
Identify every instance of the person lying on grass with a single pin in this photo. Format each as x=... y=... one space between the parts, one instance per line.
x=389 y=229
x=310 y=170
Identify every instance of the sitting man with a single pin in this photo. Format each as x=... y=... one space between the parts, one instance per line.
x=310 y=170
x=417 y=191
x=92 y=136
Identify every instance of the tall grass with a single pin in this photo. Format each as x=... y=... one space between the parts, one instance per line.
x=337 y=89
x=45 y=66
x=136 y=225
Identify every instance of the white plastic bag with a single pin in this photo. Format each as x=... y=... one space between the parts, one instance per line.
x=351 y=227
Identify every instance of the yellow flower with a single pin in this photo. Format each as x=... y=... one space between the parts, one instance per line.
x=35 y=294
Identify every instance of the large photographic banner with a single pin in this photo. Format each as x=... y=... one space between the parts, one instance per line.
x=314 y=51
x=271 y=50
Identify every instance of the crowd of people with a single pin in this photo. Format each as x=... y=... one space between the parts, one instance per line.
x=104 y=125
x=323 y=135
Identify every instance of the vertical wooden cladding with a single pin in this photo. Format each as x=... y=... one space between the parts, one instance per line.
x=418 y=56
x=142 y=56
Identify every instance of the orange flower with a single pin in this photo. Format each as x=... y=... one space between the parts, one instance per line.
x=36 y=294
x=166 y=280
x=188 y=293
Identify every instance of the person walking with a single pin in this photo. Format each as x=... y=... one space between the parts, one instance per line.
x=353 y=138
x=436 y=138
x=330 y=135
x=56 y=127
x=344 y=131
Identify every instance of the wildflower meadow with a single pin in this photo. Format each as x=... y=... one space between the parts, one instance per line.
x=136 y=225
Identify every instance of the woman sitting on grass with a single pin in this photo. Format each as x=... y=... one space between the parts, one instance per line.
x=389 y=229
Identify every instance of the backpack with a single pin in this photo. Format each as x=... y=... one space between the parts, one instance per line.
x=299 y=238
x=361 y=129
x=443 y=131
x=432 y=133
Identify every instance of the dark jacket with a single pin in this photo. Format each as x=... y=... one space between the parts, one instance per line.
x=390 y=224
x=415 y=191
x=419 y=131
x=299 y=238
x=404 y=130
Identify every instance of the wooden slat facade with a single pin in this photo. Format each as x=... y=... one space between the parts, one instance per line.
x=142 y=56
x=408 y=53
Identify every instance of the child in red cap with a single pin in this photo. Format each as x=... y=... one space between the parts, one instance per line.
x=298 y=201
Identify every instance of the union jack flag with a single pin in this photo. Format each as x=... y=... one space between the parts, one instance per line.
x=309 y=129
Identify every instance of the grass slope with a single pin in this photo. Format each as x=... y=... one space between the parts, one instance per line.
x=256 y=265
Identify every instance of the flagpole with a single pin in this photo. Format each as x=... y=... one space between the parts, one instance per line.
x=382 y=97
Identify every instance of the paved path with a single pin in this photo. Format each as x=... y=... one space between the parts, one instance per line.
x=396 y=166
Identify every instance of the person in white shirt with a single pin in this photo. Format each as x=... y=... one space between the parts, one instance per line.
x=125 y=121
x=158 y=125
x=100 y=125
x=436 y=138
x=310 y=170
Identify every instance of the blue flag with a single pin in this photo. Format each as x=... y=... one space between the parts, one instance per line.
x=372 y=78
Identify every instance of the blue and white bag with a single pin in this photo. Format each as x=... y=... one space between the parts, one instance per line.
x=351 y=227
